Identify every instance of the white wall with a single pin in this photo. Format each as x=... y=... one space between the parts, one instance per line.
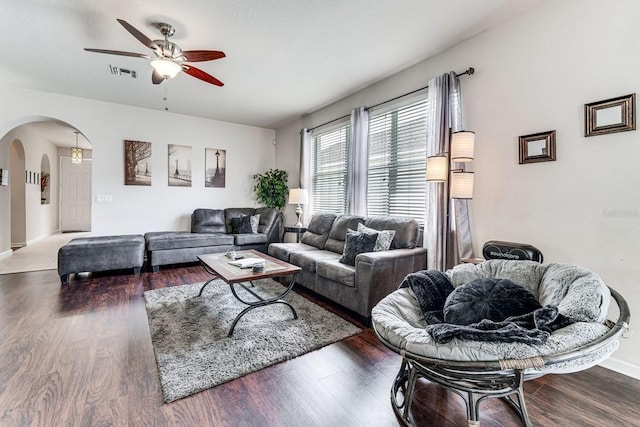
x=138 y=209
x=534 y=74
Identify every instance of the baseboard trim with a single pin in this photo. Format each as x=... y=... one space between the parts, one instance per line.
x=622 y=367
x=6 y=253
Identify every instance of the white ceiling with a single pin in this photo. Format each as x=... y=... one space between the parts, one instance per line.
x=284 y=57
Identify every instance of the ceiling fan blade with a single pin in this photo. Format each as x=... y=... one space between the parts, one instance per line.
x=156 y=78
x=199 y=74
x=137 y=34
x=202 y=55
x=118 y=52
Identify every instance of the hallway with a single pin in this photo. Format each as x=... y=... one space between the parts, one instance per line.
x=40 y=255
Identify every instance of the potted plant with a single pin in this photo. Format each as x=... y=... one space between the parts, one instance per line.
x=271 y=188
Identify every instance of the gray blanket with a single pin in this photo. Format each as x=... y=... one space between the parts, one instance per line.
x=431 y=289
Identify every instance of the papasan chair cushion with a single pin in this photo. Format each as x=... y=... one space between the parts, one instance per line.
x=577 y=292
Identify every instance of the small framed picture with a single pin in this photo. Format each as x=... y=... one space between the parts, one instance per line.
x=610 y=116
x=538 y=147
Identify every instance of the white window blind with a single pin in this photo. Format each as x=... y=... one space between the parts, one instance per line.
x=329 y=170
x=397 y=162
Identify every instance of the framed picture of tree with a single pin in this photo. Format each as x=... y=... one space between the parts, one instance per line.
x=137 y=163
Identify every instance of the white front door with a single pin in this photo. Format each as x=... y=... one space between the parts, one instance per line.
x=75 y=195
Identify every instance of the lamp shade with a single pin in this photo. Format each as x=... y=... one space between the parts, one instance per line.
x=462 y=146
x=166 y=68
x=298 y=196
x=437 y=168
x=461 y=185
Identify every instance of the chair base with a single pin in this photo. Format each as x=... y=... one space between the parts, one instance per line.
x=471 y=385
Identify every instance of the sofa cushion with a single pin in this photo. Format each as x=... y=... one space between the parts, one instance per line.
x=230 y=213
x=355 y=244
x=385 y=237
x=268 y=216
x=255 y=221
x=318 y=229
x=283 y=251
x=241 y=225
x=337 y=272
x=159 y=240
x=338 y=232
x=407 y=230
x=208 y=221
x=307 y=260
x=249 y=239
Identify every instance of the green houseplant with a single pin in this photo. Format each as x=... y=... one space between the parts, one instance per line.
x=271 y=188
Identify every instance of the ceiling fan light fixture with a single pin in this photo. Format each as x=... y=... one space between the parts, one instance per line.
x=166 y=68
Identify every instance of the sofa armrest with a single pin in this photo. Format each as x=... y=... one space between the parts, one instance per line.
x=380 y=273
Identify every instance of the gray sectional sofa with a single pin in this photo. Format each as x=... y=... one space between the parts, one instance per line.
x=211 y=232
x=374 y=275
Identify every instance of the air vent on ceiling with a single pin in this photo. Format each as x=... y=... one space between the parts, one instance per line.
x=117 y=71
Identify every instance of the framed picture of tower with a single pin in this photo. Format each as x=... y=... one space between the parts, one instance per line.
x=179 y=165
x=215 y=161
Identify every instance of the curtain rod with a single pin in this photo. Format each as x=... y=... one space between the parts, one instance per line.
x=468 y=72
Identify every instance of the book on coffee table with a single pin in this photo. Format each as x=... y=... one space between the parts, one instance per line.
x=247 y=262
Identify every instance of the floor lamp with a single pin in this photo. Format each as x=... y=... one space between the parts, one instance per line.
x=448 y=168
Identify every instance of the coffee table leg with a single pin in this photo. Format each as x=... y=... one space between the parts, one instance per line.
x=213 y=273
x=260 y=302
x=205 y=285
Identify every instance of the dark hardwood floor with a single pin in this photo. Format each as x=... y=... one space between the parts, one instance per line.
x=81 y=355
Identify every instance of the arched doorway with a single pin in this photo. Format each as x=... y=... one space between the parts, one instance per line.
x=17 y=182
x=43 y=143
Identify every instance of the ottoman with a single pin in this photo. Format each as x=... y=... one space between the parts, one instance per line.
x=101 y=253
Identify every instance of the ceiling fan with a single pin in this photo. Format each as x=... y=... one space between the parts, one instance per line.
x=169 y=56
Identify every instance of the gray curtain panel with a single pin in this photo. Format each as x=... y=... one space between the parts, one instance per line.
x=446 y=242
x=358 y=162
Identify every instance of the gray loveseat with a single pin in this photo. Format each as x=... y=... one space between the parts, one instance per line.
x=373 y=276
x=211 y=232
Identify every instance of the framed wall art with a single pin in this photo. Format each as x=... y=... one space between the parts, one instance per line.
x=537 y=147
x=137 y=163
x=215 y=161
x=179 y=165
x=610 y=116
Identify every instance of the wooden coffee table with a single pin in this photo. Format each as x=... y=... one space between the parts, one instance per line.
x=218 y=266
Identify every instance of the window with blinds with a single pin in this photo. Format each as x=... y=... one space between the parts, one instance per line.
x=397 y=162
x=329 y=170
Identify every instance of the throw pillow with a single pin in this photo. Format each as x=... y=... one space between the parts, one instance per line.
x=385 y=237
x=488 y=298
x=255 y=221
x=241 y=225
x=356 y=243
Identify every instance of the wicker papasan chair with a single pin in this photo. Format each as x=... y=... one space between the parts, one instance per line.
x=480 y=369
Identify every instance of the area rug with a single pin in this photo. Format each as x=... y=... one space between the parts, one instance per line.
x=189 y=334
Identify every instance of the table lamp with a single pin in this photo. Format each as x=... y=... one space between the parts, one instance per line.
x=298 y=196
